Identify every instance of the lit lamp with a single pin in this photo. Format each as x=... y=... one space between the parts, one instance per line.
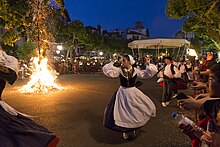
x=192 y=52
x=60 y=47
x=218 y=56
x=192 y=55
x=58 y=51
x=100 y=53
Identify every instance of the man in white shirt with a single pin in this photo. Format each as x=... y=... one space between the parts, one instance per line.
x=183 y=70
x=170 y=72
x=147 y=60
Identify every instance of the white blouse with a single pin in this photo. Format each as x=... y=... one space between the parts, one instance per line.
x=168 y=73
x=111 y=71
x=182 y=68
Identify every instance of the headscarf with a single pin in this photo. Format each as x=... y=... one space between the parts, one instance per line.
x=132 y=61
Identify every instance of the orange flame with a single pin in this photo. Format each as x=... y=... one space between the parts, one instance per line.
x=42 y=79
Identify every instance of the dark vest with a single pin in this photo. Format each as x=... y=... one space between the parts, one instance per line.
x=130 y=82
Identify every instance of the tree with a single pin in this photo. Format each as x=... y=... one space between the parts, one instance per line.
x=72 y=35
x=26 y=51
x=201 y=17
x=27 y=19
x=117 y=45
x=15 y=19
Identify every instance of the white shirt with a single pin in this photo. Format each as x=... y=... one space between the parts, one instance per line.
x=112 y=71
x=168 y=73
x=182 y=68
x=152 y=68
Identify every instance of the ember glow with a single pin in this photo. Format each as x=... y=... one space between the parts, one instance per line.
x=42 y=78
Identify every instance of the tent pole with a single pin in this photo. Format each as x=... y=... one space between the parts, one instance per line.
x=178 y=53
x=132 y=52
x=138 y=54
x=158 y=47
x=184 y=53
x=173 y=53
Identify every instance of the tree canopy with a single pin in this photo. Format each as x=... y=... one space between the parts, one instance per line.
x=41 y=24
x=28 y=20
x=201 y=17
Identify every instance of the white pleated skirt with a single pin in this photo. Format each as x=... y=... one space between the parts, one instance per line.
x=132 y=108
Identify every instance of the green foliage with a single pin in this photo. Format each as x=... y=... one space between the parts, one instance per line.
x=26 y=51
x=60 y=3
x=177 y=9
x=9 y=49
x=14 y=18
x=19 y=18
x=75 y=34
x=72 y=34
x=94 y=41
x=117 y=45
x=201 y=17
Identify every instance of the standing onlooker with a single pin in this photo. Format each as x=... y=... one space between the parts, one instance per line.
x=148 y=61
x=75 y=66
x=22 y=69
x=210 y=62
x=170 y=72
x=183 y=70
x=203 y=67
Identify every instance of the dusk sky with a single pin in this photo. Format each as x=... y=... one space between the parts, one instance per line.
x=122 y=14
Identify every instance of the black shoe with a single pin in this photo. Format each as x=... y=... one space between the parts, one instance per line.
x=130 y=135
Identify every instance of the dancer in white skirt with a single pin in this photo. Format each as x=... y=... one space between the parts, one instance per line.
x=17 y=129
x=129 y=108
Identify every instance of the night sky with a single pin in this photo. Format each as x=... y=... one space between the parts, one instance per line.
x=122 y=14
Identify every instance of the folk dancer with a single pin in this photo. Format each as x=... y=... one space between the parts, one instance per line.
x=129 y=108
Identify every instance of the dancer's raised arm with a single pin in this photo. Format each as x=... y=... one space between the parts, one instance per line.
x=110 y=70
x=149 y=72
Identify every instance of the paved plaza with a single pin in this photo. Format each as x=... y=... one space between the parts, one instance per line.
x=75 y=113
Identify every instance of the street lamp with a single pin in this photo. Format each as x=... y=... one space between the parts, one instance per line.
x=60 y=47
x=100 y=53
x=218 y=56
x=58 y=51
x=192 y=52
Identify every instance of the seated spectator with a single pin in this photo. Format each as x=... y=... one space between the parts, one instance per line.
x=212 y=110
x=210 y=62
x=203 y=67
x=210 y=105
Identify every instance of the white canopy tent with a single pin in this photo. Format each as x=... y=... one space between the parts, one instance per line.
x=159 y=43
x=156 y=43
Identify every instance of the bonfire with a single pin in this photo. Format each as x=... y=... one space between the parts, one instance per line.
x=42 y=78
